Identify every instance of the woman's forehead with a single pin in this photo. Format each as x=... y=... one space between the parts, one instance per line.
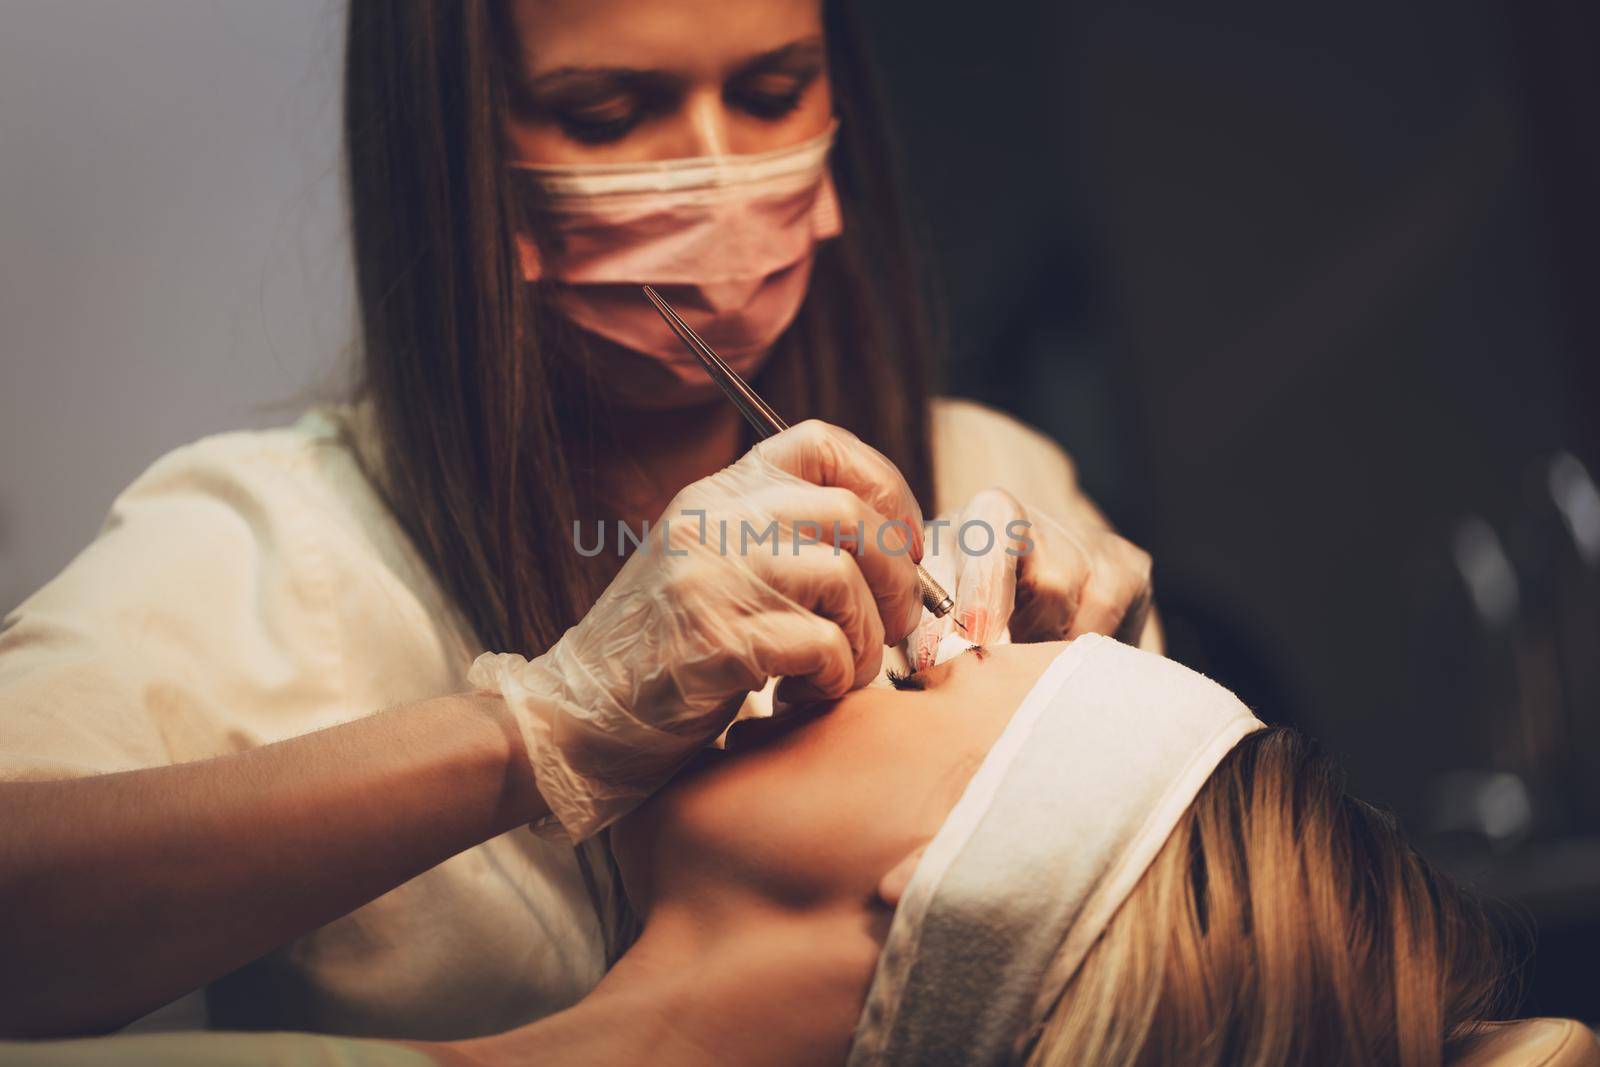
x=683 y=36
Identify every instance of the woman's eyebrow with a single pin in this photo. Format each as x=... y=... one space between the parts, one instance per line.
x=803 y=53
x=976 y=652
x=567 y=78
x=531 y=97
x=807 y=53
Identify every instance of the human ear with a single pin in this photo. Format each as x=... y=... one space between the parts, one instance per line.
x=892 y=886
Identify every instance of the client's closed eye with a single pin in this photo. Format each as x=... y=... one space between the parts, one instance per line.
x=919 y=680
x=904 y=680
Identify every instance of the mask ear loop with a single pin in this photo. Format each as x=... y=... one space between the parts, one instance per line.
x=530 y=201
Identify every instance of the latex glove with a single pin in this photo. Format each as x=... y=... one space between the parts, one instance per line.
x=705 y=613
x=1037 y=578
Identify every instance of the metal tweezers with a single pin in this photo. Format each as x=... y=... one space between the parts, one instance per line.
x=759 y=414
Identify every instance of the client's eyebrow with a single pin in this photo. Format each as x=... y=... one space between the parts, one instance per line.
x=918 y=680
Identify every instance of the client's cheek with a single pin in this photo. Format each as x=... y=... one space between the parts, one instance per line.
x=710 y=833
x=795 y=823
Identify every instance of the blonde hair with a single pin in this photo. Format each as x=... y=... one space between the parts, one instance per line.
x=1283 y=922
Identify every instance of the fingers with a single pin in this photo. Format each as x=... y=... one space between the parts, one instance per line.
x=828 y=455
x=943 y=566
x=810 y=653
x=986 y=585
x=1050 y=579
x=1117 y=592
x=1136 y=620
x=1046 y=607
x=1099 y=611
x=828 y=584
x=975 y=557
x=703 y=633
x=1080 y=580
x=856 y=533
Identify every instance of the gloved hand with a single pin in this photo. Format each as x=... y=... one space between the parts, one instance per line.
x=1041 y=578
x=794 y=562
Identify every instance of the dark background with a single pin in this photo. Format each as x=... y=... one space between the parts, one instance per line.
x=1307 y=293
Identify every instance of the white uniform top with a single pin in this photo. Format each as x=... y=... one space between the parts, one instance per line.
x=252 y=587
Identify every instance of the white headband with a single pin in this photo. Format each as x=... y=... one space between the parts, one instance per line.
x=1072 y=803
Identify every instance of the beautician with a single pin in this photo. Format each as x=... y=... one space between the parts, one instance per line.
x=239 y=743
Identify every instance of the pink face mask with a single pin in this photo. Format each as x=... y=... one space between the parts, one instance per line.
x=727 y=240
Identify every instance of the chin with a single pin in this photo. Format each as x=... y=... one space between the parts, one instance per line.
x=634 y=381
x=672 y=395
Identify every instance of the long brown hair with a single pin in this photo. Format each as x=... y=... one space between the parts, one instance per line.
x=482 y=413
x=1283 y=922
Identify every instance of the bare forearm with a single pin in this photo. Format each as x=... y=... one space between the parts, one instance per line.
x=125 y=890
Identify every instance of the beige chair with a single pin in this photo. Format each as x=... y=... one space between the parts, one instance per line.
x=1533 y=1043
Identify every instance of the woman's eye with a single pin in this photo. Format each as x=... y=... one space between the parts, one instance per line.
x=594 y=117
x=767 y=105
x=769 y=96
x=598 y=122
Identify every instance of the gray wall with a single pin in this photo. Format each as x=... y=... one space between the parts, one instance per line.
x=172 y=256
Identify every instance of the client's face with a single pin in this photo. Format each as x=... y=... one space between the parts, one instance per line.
x=821 y=806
